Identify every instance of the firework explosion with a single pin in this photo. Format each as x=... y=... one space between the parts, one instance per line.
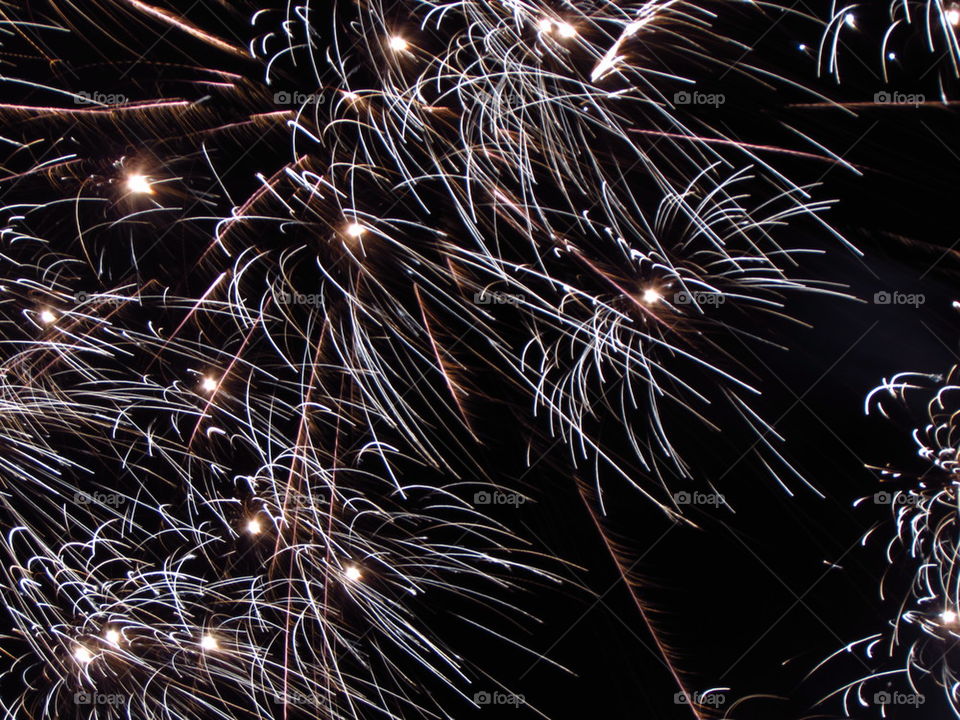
x=909 y=668
x=252 y=310
x=900 y=26
x=916 y=656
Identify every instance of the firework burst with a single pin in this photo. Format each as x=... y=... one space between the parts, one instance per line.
x=900 y=25
x=263 y=292
x=916 y=656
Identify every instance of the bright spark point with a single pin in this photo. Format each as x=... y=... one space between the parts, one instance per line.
x=545 y=25
x=113 y=637
x=209 y=384
x=892 y=56
x=82 y=654
x=209 y=642
x=398 y=44
x=47 y=316
x=949 y=617
x=802 y=47
x=355 y=230
x=137 y=183
x=651 y=296
x=953 y=16
x=850 y=19
x=566 y=30
x=254 y=527
x=353 y=573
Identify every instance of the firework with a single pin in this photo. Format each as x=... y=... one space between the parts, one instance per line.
x=930 y=24
x=241 y=387
x=916 y=656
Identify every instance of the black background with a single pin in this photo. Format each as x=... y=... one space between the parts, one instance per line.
x=751 y=600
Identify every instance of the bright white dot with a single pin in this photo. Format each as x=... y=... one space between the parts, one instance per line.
x=209 y=642
x=351 y=96
x=353 y=573
x=953 y=16
x=47 y=316
x=137 y=183
x=209 y=384
x=850 y=19
x=355 y=230
x=254 y=527
x=948 y=616
x=802 y=47
x=398 y=44
x=82 y=654
x=891 y=56
x=566 y=30
x=113 y=637
x=545 y=25
x=650 y=296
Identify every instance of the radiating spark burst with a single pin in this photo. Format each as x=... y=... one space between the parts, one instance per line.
x=933 y=24
x=353 y=573
x=332 y=321
x=137 y=183
x=918 y=656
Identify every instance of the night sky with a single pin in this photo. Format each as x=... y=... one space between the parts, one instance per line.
x=245 y=354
